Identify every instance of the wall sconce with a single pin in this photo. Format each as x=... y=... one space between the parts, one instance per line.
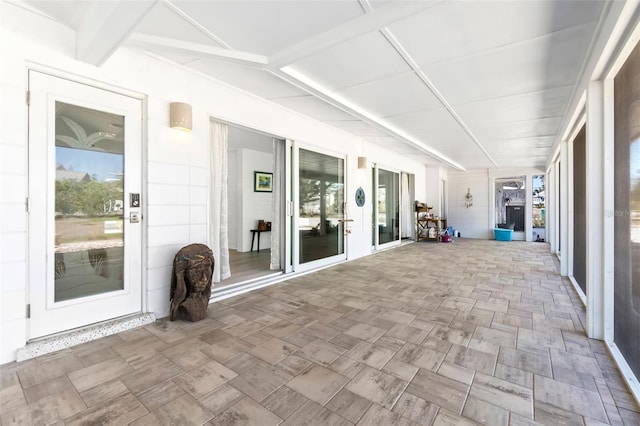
x=180 y=116
x=362 y=162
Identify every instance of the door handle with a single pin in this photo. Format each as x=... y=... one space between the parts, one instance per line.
x=134 y=217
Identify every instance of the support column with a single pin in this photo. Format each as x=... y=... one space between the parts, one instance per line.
x=597 y=234
x=564 y=209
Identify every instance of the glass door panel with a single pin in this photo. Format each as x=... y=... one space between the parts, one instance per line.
x=388 y=206
x=89 y=202
x=321 y=204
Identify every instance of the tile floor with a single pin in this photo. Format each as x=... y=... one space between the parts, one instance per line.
x=464 y=333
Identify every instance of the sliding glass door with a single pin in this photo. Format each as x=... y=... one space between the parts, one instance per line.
x=387 y=211
x=320 y=213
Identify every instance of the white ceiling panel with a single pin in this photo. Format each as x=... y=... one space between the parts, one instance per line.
x=507 y=69
x=357 y=127
x=460 y=28
x=314 y=107
x=537 y=64
x=265 y=27
x=432 y=124
x=363 y=59
x=395 y=95
x=254 y=80
x=517 y=129
x=528 y=106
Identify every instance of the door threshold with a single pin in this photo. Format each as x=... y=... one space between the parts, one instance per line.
x=48 y=344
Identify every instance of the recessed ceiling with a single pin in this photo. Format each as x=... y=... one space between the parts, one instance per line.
x=465 y=85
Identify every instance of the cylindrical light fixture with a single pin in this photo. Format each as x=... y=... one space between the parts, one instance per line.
x=362 y=162
x=180 y=116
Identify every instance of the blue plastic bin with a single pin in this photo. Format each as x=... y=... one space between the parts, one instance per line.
x=503 y=234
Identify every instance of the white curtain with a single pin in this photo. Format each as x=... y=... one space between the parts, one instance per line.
x=408 y=225
x=218 y=206
x=276 y=202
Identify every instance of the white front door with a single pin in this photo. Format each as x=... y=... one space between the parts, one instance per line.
x=85 y=185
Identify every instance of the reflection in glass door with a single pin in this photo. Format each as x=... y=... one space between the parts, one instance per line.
x=388 y=206
x=321 y=206
x=89 y=202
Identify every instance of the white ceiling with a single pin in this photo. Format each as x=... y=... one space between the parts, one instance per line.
x=462 y=84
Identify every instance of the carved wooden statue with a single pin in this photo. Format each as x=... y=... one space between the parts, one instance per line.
x=191 y=282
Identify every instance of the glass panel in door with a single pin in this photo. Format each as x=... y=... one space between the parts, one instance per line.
x=388 y=198
x=321 y=214
x=89 y=202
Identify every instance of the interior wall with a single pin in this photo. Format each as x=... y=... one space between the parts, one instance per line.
x=255 y=205
x=234 y=198
x=471 y=222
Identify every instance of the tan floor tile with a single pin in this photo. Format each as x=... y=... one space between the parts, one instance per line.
x=470 y=358
x=88 y=377
x=400 y=369
x=569 y=398
x=439 y=390
x=319 y=384
x=246 y=412
x=372 y=355
x=294 y=365
x=36 y=392
x=143 y=379
x=503 y=394
x=273 y=350
x=191 y=360
x=225 y=350
x=121 y=410
x=349 y=405
x=446 y=418
x=451 y=335
x=380 y=416
x=397 y=316
x=408 y=333
x=284 y=402
x=416 y=409
x=220 y=399
x=202 y=380
x=311 y=413
x=514 y=375
x=182 y=411
x=456 y=372
x=485 y=413
x=365 y=332
x=260 y=381
x=160 y=395
x=551 y=415
x=377 y=386
x=420 y=356
x=103 y=392
x=321 y=352
x=527 y=361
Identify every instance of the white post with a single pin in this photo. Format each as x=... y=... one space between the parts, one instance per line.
x=595 y=210
x=564 y=209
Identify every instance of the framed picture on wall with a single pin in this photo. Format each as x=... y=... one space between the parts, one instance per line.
x=262 y=182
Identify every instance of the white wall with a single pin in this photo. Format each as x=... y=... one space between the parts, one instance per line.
x=471 y=222
x=255 y=205
x=176 y=164
x=478 y=220
x=234 y=198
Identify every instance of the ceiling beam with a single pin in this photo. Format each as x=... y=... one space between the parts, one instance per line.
x=106 y=26
x=202 y=51
x=366 y=23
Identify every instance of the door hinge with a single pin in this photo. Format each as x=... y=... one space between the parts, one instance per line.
x=26 y=204
x=28 y=310
x=28 y=98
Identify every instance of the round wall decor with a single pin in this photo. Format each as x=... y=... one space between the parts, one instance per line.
x=360 y=197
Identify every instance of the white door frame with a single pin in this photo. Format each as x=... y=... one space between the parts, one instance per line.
x=295 y=174
x=47 y=316
x=376 y=224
